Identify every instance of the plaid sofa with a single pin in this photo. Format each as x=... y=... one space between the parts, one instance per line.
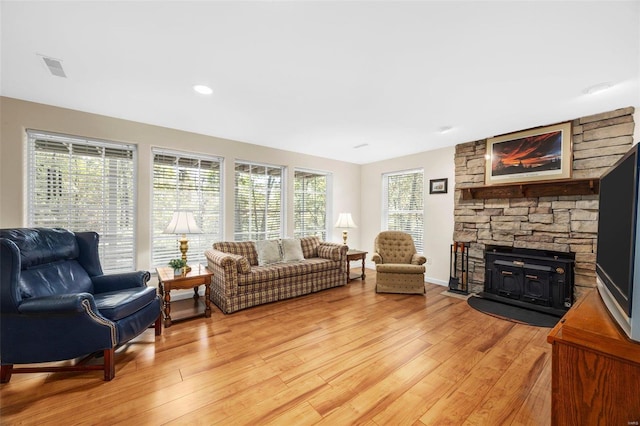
x=238 y=282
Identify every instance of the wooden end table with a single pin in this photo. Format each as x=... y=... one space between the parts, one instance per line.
x=167 y=281
x=353 y=255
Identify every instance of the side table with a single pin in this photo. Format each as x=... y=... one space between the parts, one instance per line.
x=353 y=255
x=167 y=281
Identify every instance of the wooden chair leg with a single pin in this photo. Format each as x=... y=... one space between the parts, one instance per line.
x=158 y=325
x=5 y=373
x=109 y=364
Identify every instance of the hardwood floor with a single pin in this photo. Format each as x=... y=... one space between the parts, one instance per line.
x=341 y=356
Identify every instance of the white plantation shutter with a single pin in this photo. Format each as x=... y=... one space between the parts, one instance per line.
x=185 y=182
x=258 y=201
x=403 y=207
x=85 y=185
x=310 y=196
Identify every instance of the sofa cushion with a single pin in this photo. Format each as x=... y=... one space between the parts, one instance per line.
x=310 y=246
x=308 y=266
x=260 y=274
x=241 y=248
x=115 y=305
x=268 y=252
x=291 y=250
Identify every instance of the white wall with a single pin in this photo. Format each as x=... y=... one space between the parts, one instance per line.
x=17 y=116
x=438 y=232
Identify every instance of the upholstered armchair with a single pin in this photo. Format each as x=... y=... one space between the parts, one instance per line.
x=56 y=304
x=399 y=268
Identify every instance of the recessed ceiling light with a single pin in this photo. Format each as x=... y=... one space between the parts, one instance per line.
x=203 y=90
x=597 y=88
x=445 y=129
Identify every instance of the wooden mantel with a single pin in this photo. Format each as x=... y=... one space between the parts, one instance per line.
x=549 y=188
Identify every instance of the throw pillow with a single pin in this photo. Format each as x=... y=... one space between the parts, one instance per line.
x=331 y=252
x=291 y=250
x=243 y=265
x=268 y=252
x=310 y=246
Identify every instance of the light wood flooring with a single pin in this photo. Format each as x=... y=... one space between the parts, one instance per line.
x=342 y=356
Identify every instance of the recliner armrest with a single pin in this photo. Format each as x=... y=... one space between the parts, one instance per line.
x=115 y=282
x=64 y=303
x=376 y=258
x=418 y=259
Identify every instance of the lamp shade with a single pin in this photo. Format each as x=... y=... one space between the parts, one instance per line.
x=182 y=223
x=345 y=221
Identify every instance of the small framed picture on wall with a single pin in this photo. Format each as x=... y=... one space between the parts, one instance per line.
x=438 y=186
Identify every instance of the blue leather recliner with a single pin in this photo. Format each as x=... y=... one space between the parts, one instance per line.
x=56 y=304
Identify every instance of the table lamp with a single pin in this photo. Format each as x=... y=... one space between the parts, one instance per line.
x=346 y=222
x=183 y=223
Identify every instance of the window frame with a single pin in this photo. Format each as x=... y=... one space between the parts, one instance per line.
x=418 y=239
x=254 y=234
x=198 y=243
x=117 y=254
x=325 y=233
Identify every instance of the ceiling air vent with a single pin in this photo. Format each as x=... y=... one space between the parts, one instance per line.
x=55 y=66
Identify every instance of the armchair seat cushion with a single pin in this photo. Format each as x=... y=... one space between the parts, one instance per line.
x=400 y=268
x=115 y=305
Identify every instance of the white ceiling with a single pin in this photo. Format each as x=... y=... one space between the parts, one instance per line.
x=323 y=77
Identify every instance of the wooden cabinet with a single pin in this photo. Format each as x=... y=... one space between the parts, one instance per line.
x=595 y=368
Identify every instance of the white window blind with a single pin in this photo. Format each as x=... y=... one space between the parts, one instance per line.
x=258 y=201
x=403 y=208
x=310 y=204
x=85 y=185
x=186 y=182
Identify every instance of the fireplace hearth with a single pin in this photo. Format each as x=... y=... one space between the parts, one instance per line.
x=539 y=280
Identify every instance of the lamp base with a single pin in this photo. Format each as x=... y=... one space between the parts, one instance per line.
x=344 y=237
x=184 y=247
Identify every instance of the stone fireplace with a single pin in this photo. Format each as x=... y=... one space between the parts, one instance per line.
x=556 y=223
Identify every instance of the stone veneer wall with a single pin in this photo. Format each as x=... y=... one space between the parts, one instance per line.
x=561 y=223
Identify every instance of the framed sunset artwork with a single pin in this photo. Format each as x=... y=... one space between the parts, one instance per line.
x=531 y=155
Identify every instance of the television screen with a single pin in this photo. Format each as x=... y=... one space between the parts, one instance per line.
x=616 y=229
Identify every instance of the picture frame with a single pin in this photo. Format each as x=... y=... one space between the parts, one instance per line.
x=543 y=153
x=438 y=186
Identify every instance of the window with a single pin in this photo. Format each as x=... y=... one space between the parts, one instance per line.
x=403 y=208
x=85 y=185
x=310 y=204
x=258 y=201
x=189 y=182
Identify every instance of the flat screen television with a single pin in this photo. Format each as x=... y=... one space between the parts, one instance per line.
x=618 y=251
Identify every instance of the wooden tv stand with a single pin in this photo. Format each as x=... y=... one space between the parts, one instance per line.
x=595 y=368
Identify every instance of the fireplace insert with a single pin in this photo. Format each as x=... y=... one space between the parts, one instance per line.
x=540 y=280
